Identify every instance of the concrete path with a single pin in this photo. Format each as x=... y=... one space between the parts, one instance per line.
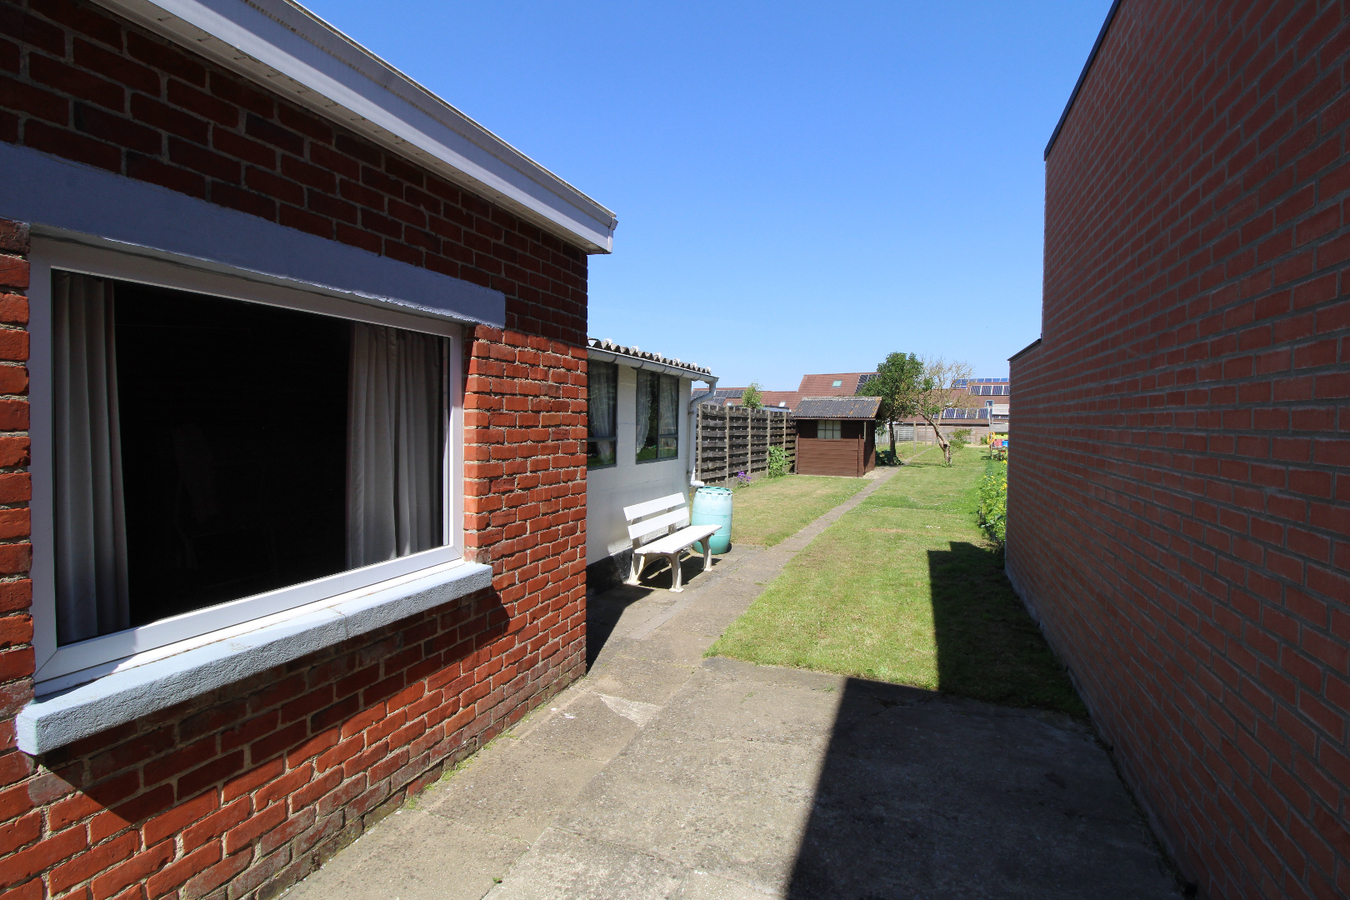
x=665 y=775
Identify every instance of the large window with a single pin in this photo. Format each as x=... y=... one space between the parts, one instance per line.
x=602 y=386
x=208 y=451
x=658 y=419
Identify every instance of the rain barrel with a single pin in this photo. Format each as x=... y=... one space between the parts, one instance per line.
x=712 y=506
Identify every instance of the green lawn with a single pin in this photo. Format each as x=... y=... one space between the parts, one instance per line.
x=907 y=589
x=768 y=510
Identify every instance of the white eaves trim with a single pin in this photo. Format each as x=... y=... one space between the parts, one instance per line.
x=289 y=50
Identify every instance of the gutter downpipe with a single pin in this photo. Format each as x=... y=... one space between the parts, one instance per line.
x=711 y=381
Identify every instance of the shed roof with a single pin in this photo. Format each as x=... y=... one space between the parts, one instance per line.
x=837 y=408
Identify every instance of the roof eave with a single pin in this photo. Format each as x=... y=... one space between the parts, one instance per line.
x=652 y=363
x=293 y=52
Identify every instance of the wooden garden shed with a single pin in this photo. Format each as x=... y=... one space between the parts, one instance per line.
x=837 y=435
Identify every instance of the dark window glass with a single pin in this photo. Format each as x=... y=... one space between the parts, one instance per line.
x=234 y=448
x=602 y=382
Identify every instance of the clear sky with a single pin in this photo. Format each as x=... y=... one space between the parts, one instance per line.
x=800 y=187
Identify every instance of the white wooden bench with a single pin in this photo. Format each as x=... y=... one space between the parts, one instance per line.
x=661 y=528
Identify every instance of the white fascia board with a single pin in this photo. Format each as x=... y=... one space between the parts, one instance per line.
x=651 y=365
x=289 y=50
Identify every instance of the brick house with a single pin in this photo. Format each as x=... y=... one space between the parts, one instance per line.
x=292 y=469
x=783 y=400
x=1179 y=490
x=986 y=410
x=838 y=384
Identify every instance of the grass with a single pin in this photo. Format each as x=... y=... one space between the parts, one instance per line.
x=907 y=589
x=768 y=510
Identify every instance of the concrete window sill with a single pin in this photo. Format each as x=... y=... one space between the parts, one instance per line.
x=170 y=675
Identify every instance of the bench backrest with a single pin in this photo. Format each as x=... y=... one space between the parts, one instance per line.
x=655 y=518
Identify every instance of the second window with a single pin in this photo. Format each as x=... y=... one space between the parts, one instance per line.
x=658 y=419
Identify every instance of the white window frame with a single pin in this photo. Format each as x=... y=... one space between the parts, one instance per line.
x=60 y=667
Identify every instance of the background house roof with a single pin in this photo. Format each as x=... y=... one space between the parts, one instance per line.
x=824 y=385
x=838 y=408
x=286 y=48
x=780 y=399
x=770 y=399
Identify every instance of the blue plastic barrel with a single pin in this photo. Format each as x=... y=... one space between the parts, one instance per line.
x=712 y=506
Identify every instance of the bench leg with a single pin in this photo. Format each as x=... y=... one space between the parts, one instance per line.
x=707 y=553
x=676 y=576
x=635 y=570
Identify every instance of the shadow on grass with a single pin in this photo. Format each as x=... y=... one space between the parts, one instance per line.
x=919 y=796
x=988 y=647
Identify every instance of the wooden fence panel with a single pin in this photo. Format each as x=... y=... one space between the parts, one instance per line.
x=730 y=439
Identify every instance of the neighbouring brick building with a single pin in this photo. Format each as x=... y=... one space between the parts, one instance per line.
x=1179 y=484
x=292 y=443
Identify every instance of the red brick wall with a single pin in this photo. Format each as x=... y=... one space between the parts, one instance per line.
x=1179 y=487
x=246 y=790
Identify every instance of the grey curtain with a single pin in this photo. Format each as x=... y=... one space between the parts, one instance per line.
x=90 y=516
x=393 y=444
x=670 y=403
x=644 y=408
x=601 y=397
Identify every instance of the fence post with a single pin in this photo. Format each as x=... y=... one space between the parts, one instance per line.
x=698 y=440
x=726 y=459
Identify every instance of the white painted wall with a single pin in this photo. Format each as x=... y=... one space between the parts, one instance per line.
x=628 y=481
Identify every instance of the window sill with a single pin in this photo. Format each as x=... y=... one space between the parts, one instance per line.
x=135 y=690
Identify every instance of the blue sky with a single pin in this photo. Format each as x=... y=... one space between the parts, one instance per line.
x=799 y=187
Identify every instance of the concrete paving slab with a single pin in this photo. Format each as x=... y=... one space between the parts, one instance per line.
x=563 y=865
x=638 y=678
x=586 y=727
x=702 y=886
x=712 y=810
x=516 y=792
x=671 y=646
x=413 y=855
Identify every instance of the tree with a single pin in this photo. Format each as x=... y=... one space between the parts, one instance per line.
x=751 y=399
x=897 y=384
x=944 y=385
x=909 y=386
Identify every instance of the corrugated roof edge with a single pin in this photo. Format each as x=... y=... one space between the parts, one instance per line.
x=1082 y=76
x=1028 y=348
x=291 y=51
x=634 y=353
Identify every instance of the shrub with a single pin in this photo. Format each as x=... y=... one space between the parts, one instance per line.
x=993 y=512
x=778 y=462
x=959 y=439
